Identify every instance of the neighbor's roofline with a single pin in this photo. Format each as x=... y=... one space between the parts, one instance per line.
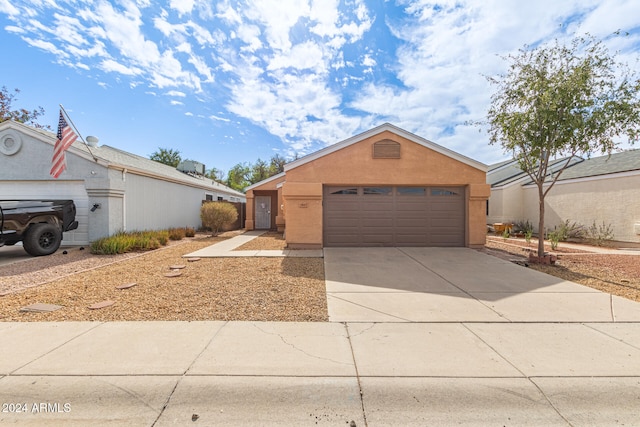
x=379 y=129
x=264 y=181
x=50 y=138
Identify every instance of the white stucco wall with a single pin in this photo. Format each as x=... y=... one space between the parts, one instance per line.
x=155 y=204
x=614 y=199
x=505 y=204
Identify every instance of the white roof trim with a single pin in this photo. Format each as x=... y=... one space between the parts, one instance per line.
x=382 y=128
x=264 y=181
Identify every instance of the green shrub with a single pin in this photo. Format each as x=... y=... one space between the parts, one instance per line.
x=527 y=235
x=599 y=234
x=554 y=237
x=523 y=227
x=569 y=230
x=217 y=215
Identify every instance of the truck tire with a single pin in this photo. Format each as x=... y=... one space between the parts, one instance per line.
x=42 y=239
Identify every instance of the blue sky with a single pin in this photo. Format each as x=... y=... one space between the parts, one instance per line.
x=226 y=82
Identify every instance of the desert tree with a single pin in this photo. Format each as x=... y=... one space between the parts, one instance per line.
x=21 y=115
x=557 y=101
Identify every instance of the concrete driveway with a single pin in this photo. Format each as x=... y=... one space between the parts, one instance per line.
x=456 y=285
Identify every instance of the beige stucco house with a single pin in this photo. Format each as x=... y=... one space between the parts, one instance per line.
x=600 y=189
x=384 y=187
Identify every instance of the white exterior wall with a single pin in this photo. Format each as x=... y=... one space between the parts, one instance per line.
x=505 y=204
x=155 y=204
x=614 y=199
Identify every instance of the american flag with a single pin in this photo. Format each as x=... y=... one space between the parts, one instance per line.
x=66 y=137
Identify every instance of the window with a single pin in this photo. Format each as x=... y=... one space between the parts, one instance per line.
x=379 y=191
x=208 y=197
x=220 y=198
x=412 y=191
x=346 y=191
x=442 y=192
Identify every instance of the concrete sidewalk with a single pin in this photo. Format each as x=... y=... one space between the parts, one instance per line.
x=227 y=249
x=374 y=374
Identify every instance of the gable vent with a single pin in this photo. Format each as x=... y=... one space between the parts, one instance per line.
x=386 y=149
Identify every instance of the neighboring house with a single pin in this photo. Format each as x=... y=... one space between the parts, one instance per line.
x=601 y=189
x=384 y=187
x=113 y=190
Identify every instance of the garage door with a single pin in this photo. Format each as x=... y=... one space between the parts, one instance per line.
x=394 y=216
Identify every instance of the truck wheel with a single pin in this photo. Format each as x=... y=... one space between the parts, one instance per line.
x=42 y=239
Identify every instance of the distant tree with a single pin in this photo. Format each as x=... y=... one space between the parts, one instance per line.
x=562 y=101
x=239 y=176
x=167 y=156
x=276 y=165
x=21 y=115
x=215 y=174
x=259 y=171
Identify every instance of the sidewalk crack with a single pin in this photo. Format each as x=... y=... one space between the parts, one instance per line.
x=355 y=365
x=184 y=374
x=293 y=346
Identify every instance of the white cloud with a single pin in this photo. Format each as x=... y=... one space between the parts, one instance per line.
x=304 y=56
x=221 y=119
x=176 y=102
x=14 y=29
x=109 y=65
x=176 y=93
x=47 y=46
x=8 y=8
x=182 y=6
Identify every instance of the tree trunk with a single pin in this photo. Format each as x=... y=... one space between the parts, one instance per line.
x=541 y=222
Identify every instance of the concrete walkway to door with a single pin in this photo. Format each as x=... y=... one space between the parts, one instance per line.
x=456 y=285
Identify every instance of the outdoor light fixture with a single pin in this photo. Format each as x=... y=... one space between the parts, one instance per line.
x=95 y=206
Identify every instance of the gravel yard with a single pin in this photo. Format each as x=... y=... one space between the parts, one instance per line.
x=259 y=289
x=276 y=289
x=614 y=274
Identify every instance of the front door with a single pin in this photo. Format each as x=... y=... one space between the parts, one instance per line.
x=263 y=212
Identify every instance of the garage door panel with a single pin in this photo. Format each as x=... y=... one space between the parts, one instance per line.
x=375 y=239
x=394 y=216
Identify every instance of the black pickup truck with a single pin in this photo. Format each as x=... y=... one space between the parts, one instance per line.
x=38 y=224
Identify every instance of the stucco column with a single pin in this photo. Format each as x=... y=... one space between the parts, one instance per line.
x=304 y=214
x=280 y=221
x=477 y=214
x=249 y=223
x=106 y=207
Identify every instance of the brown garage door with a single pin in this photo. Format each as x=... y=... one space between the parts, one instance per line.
x=393 y=216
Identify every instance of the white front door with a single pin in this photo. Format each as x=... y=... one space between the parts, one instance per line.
x=263 y=212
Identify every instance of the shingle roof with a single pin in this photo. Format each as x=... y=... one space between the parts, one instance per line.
x=503 y=173
x=615 y=163
x=507 y=172
x=126 y=159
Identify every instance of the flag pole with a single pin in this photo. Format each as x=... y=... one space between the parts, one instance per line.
x=66 y=115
